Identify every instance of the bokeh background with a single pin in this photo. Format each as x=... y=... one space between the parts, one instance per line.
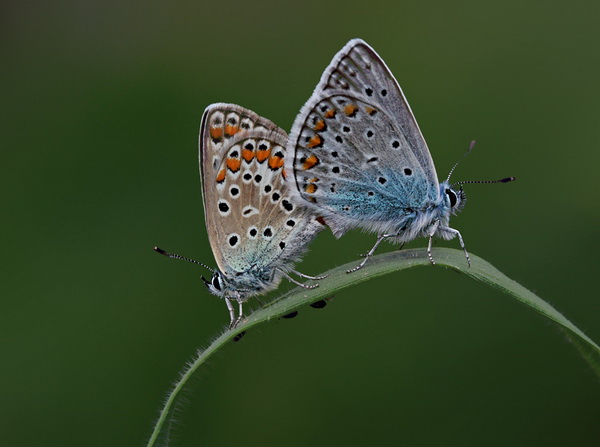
x=100 y=108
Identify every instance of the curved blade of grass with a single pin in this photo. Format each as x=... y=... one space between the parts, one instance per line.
x=379 y=265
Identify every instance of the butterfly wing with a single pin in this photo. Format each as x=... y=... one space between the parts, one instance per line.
x=253 y=226
x=357 y=153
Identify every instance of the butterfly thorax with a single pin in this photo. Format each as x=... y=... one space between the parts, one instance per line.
x=240 y=286
x=419 y=222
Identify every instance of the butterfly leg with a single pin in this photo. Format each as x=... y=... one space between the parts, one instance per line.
x=232 y=319
x=302 y=275
x=235 y=320
x=462 y=243
x=292 y=280
x=380 y=239
x=432 y=231
x=240 y=315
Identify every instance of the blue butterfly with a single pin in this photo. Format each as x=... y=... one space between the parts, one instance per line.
x=357 y=157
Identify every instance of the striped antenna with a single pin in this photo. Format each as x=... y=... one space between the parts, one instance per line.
x=174 y=256
x=471 y=146
x=502 y=180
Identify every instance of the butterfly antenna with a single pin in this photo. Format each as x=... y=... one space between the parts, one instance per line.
x=502 y=180
x=174 y=256
x=471 y=146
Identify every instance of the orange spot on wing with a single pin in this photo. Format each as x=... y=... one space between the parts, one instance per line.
x=216 y=133
x=233 y=164
x=248 y=155
x=221 y=176
x=283 y=173
x=330 y=113
x=310 y=162
x=315 y=141
x=275 y=162
x=311 y=188
x=231 y=130
x=262 y=155
x=319 y=126
x=370 y=110
x=350 y=110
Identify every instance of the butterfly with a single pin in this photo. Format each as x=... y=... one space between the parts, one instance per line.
x=357 y=157
x=255 y=230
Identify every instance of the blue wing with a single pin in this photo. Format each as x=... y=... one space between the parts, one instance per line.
x=358 y=155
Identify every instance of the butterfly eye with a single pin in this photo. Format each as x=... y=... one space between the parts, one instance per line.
x=452 y=196
x=216 y=282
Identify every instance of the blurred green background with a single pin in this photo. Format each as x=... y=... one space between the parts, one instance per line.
x=100 y=108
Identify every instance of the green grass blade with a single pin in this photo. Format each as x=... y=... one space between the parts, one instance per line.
x=379 y=265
